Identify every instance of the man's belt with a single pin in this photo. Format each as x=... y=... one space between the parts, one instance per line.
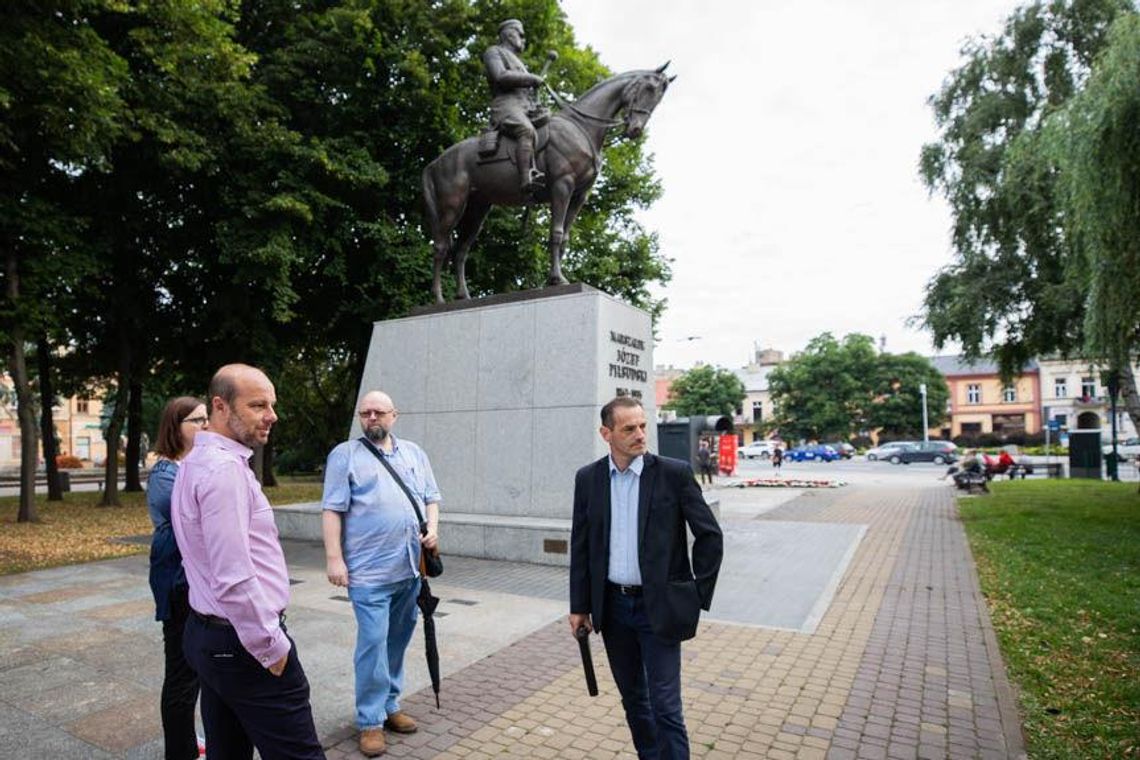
x=221 y=622
x=620 y=588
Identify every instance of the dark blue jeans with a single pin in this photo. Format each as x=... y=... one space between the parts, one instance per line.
x=243 y=704
x=647 y=670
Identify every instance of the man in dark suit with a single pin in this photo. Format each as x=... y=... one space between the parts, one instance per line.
x=630 y=576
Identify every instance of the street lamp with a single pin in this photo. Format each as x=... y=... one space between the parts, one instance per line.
x=925 y=425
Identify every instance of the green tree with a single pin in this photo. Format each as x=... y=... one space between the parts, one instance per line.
x=61 y=109
x=836 y=389
x=1021 y=283
x=1096 y=143
x=706 y=390
x=825 y=390
x=896 y=405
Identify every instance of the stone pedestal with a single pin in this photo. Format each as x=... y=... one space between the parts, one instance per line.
x=504 y=393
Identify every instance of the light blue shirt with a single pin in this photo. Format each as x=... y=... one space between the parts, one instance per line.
x=625 y=487
x=381 y=537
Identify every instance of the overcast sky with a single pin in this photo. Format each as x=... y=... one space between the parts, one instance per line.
x=788 y=150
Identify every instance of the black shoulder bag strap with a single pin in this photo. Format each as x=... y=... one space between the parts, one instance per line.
x=399 y=481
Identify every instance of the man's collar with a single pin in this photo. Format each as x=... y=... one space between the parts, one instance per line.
x=206 y=438
x=636 y=465
x=378 y=447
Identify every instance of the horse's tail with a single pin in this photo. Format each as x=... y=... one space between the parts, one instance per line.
x=431 y=209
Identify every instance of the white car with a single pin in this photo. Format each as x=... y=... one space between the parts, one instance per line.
x=885 y=451
x=1127 y=449
x=756 y=450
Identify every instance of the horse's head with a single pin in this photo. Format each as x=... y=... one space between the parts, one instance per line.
x=641 y=96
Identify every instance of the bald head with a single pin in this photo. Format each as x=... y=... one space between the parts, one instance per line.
x=377 y=416
x=241 y=404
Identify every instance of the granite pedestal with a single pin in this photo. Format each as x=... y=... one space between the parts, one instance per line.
x=503 y=394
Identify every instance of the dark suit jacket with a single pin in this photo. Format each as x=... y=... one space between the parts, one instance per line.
x=669 y=499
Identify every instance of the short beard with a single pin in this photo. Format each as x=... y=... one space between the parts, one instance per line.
x=376 y=433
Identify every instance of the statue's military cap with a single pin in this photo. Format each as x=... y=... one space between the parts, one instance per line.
x=509 y=23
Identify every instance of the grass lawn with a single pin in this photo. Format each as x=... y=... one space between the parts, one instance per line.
x=75 y=530
x=1059 y=563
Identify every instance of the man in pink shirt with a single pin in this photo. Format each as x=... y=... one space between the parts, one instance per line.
x=254 y=691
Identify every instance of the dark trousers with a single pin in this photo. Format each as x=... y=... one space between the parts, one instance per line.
x=647 y=670
x=179 y=683
x=243 y=704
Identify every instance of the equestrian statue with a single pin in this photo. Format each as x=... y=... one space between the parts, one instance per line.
x=528 y=156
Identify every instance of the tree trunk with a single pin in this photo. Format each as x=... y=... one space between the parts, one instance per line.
x=1129 y=394
x=24 y=409
x=115 y=426
x=134 y=437
x=47 y=425
x=268 y=477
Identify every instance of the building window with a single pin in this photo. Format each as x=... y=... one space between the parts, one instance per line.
x=971 y=428
x=1009 y=424
x=83 y=447
x=1088 y=387
x=1060 y=387
x=81 y=406
x=973 y=393
x=1009 y=394
x=757 y=411
x=1062 y=420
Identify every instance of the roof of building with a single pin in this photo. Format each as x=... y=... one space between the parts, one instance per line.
x=950 y=366
x=754 y=376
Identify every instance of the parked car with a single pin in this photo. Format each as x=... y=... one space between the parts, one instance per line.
x=885 y=451
x=845 y=450
x=756 y=450
x=939 y=452
x=815 y=452
x=1126 y=449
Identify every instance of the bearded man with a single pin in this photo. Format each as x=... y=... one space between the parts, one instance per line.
x=372 y=548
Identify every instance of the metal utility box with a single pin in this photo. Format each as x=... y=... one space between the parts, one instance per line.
x=1084 y=454
x=680 y=438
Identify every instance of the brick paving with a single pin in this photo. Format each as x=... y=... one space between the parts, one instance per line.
x=904 y=664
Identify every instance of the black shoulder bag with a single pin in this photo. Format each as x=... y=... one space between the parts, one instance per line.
x=430 y=561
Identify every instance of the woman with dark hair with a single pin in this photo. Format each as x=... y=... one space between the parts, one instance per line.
x=181 y=420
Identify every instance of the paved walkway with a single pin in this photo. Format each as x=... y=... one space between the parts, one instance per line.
x=893 y=657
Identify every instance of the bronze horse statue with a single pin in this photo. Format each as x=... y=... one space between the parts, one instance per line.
x=460 y=187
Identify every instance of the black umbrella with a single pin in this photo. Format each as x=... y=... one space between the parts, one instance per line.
x=427 y=604
x=583 y=636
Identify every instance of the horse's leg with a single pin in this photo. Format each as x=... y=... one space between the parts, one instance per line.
x=560 y=192
x=577 y=200
x=441 y=216
x=466 y=232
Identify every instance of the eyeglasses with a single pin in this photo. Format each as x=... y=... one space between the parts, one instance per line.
x=199 y=421
x=369 y=414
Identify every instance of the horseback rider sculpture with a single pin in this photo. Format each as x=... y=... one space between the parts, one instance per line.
x=514 y=110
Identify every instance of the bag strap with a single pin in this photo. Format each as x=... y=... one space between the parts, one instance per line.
x=399 y=481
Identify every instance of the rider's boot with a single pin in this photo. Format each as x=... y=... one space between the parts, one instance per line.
x=531 y=180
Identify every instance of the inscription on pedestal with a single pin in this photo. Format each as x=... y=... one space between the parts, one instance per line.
x=627 y=363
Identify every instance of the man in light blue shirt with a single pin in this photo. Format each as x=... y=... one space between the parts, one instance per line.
x=372 y=547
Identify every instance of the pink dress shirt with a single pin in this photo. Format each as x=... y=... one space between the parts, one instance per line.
x=230 y=550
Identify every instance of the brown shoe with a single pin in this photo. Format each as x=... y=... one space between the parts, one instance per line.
x=401 y=723
x=372 y=742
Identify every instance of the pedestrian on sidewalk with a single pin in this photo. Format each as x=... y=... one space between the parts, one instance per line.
x=777 y=458
x=631 y=577
x=372 y=547
x=182 y=419
x=705 y=462
x=254 y=690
